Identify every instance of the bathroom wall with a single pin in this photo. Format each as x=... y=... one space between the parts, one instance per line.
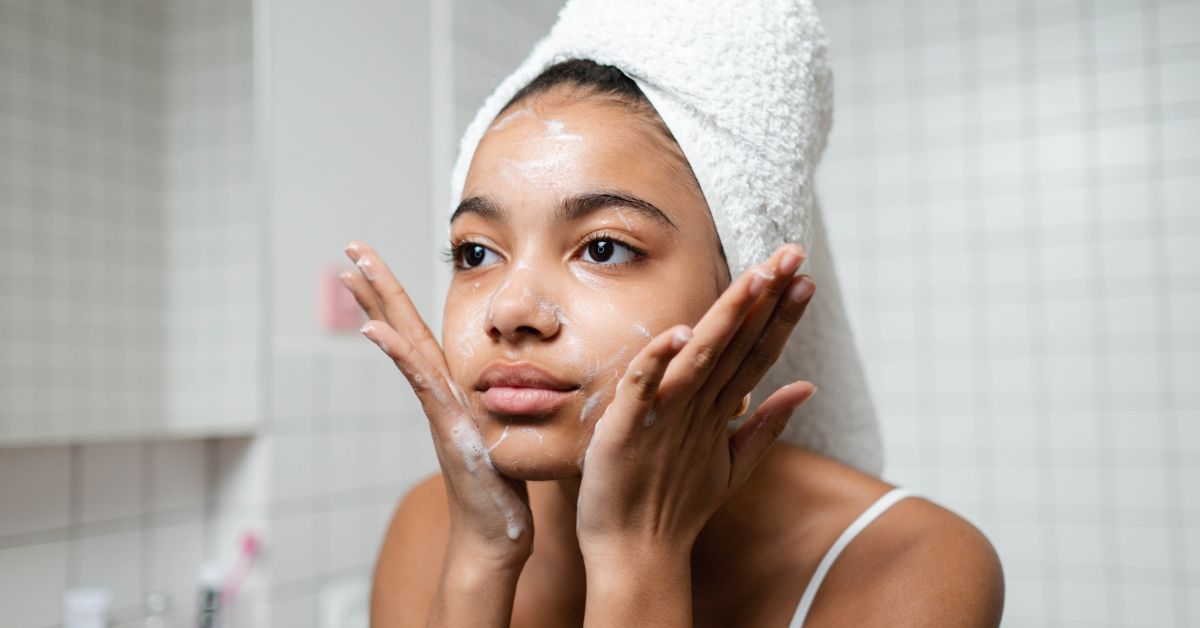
x=1011 y=195
x=81 y=223
x=350 y=103
x=129 y=196
x=125 y=153
x=214 y=220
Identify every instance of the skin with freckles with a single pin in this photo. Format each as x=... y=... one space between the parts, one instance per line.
x=591 y=316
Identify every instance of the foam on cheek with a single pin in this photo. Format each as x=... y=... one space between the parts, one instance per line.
x=503 y=435
x=586 y=279
x=466 y=348
x=590 y=404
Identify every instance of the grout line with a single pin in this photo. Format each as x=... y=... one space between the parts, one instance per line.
x=75 y=514
x=1162 y=281
x=1030 y=202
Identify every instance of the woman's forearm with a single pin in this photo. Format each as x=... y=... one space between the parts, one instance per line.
x=474 y=592
x=642 y=589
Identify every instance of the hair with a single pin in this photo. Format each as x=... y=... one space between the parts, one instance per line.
x=593 y=80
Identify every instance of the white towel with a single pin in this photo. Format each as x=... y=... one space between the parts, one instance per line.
x=745 y=88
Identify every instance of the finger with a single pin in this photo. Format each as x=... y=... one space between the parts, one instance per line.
x=750 y=442
x=441 y=403
x=713 y=333
x=638 y=387
x=774 y=338
x=398 y=309
x=780 y=269
x=363 y=293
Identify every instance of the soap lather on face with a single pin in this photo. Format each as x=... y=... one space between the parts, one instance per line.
x=548 y=181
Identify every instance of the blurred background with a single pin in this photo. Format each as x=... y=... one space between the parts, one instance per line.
x=1011 y=194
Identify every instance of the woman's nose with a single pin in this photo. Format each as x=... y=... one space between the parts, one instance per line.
x=520 y=307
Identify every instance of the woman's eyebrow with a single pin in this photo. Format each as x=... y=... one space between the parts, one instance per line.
x=581 y=205
x=571 y=208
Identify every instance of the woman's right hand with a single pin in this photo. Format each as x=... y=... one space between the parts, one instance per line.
x=490 y=520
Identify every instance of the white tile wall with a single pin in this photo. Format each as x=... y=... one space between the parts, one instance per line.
x=131 y=517
x=214 y=217
x=129 y=220
x=81 y=334
x=103 y=106
x=1010 y=188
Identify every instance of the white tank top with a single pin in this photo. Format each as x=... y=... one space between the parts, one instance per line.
x=851 y=531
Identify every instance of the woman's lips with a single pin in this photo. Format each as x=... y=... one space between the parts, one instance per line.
x=521 y=400
x=522 y=388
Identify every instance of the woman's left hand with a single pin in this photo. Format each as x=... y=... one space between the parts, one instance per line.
x=662 y=459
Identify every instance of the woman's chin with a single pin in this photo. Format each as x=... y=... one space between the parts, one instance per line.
x=544 y=463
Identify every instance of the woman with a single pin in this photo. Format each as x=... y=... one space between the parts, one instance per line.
x=595 y=348
x=615 y=299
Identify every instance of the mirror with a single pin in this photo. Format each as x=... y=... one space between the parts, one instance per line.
x=130 y=295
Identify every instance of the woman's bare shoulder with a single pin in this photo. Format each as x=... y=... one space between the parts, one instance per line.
x=918 y=564
x=411 y=555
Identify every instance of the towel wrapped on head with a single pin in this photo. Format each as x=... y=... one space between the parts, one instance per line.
x=746 y=90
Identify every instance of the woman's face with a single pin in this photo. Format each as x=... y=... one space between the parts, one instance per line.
x=579 y=237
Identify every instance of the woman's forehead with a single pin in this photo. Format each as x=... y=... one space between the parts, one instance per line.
x=544 y=155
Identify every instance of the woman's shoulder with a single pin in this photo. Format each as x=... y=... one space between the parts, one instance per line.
x=413 y=548
x=918 y=563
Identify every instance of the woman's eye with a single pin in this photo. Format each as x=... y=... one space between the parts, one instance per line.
x=474 y=255
x=608 y=251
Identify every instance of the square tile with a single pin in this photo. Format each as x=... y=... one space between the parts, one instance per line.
x=34 y=488
x=111 y=477
x=32 y=583
x=178 y=475
x=113 y=562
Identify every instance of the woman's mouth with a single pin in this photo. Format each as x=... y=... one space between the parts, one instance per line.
x=523 y=388
x=522 y=400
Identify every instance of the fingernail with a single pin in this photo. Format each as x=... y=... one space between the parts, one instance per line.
x=367 y=329
x=801 y=291
x=759 y=283
x=365 y=264
x=352 y=251
x=345 y=278
x=680 y=338
x=790 y=263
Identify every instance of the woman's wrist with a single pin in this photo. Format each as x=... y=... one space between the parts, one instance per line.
x=475 y=589
x=493 y=556
x=652 y=586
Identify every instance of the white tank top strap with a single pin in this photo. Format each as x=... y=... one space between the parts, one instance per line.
x=870 y=514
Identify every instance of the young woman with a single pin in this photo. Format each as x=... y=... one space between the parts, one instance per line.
x=594 y=349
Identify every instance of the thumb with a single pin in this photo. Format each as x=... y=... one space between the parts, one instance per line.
x=750 y=442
